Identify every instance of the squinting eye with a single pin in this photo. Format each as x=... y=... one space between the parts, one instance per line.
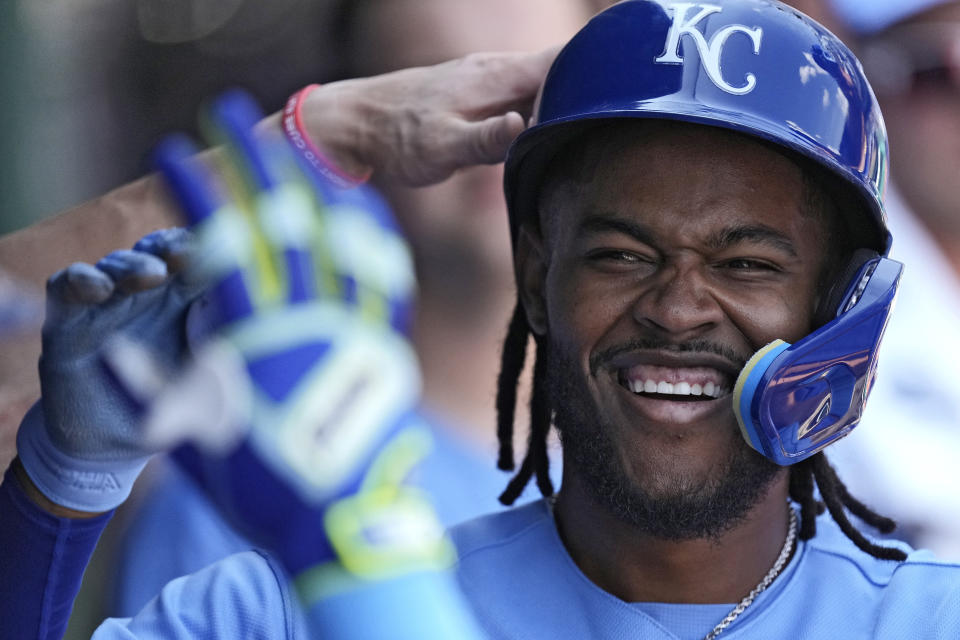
x=747 y=263
x=613 y=255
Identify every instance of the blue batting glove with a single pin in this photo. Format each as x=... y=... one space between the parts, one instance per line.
x=80 y=444
x=311 y=285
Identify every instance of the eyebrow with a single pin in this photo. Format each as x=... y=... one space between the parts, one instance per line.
x=752 y=233
x=606 y=223
x=725 y=238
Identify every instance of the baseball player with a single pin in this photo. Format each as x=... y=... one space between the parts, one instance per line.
x=699 y=244
x=699 y=236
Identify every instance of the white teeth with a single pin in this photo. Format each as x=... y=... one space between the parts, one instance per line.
x=676 y=388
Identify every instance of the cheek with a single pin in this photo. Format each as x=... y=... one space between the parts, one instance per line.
x=579 y=312
x=771 y=316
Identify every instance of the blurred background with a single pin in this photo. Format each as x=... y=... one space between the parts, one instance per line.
x=87 y=87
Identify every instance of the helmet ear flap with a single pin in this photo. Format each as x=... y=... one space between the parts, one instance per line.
x=828 y=307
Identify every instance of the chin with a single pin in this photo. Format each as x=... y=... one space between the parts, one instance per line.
x=678 y=483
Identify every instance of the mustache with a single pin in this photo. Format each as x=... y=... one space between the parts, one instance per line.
x=737 y=360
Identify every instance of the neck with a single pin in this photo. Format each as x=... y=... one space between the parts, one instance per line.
x=638 y=568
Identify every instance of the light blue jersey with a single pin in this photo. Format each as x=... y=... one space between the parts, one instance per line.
x=177 y=530
x=521 y=583
x=247 y=595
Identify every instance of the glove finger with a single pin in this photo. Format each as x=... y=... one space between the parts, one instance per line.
x=373 y=264
x=223 y=238
x=80 y=283
x=133 y=271
x=189 y=179
x=174 y=246
x=177 y=247
x=284 y=209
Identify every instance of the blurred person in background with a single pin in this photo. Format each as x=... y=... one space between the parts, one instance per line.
x=904 y=459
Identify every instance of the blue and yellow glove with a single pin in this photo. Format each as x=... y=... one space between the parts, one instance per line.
x=305 y=356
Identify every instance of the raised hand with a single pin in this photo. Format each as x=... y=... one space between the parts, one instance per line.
x=80 y=445
x=417 y=126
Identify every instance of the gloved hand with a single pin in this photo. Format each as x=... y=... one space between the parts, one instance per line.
x=80 y=443
x=305 y=376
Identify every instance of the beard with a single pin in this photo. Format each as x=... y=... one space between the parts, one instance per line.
x=675 y=508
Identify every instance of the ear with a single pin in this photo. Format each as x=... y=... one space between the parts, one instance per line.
x=531 y=266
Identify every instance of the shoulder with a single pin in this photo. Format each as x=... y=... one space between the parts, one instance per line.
x=243 y=595
x=916 y=598
x=830 y=546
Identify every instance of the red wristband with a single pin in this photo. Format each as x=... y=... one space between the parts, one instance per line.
x=296 y=134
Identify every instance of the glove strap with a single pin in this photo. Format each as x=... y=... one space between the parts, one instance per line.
x=82 y=485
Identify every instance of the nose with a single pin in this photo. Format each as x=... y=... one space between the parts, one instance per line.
x=677 y=302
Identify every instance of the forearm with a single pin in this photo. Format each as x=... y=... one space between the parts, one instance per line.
x=119 y=218
x=415 y=126
x=42 y=562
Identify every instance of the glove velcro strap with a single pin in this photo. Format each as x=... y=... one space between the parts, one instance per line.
x=385 y=530
x=378 y=535
x=82 y=485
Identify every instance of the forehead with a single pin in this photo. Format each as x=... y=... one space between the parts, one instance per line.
x=676 y=173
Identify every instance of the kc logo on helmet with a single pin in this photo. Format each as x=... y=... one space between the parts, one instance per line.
x=684 y=24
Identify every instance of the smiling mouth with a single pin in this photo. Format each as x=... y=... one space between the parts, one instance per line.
x=679 y=385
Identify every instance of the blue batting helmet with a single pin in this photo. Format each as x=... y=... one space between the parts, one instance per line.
x=754 y=66
x=765 y=70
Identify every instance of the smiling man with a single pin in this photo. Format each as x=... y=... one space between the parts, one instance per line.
x=699 y=245
x=663 y=295
x=699 y=242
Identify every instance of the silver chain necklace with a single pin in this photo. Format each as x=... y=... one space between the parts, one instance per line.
x=767 y=579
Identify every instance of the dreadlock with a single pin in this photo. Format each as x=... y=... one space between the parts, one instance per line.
x=815 y=470
x=536 y=461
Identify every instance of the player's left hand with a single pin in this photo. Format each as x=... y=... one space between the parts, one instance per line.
x=80 y=445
